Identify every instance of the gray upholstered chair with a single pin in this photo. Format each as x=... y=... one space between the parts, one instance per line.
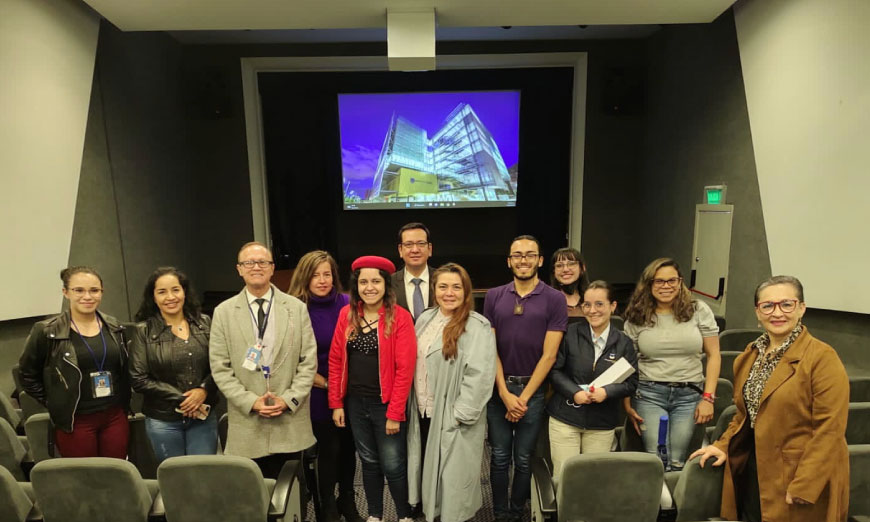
x=609 y=500
x=724 y=398
x=13 y=454
x=698 y=494
x=722 y=423
x=10 y=413
x=16 y=499
x=726 y=370
x=859 y=478
x=29 y=405
x=93 y=489
x=858 y=427
x=617 y=322
x=859 y=389
x=224 y=487
x=735 y=340
x=38 y=428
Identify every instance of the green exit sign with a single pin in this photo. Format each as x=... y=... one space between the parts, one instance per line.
x=714 y=195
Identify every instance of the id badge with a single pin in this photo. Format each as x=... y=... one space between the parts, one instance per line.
x=252 y=358
x=101 y=384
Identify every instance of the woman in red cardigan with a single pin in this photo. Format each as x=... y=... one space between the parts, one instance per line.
x=371 y=366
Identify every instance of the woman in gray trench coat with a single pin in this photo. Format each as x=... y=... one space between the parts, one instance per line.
x=453 y=381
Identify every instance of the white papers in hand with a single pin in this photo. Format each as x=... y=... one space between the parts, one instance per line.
x=617 y=373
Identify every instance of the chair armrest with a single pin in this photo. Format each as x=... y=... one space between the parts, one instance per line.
x=157 y=513
x=543 y=482
x=291 y=473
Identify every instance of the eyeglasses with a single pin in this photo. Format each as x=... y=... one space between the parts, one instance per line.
x=598 y=305
x=672 y=282
x=566 y=264
x=787 y=306
x=80 y=292
x=262 y=263
x=531 y=256
x=408 y=245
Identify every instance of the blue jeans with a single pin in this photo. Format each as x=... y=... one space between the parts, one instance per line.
x=185 y=437
x=381 y=454
x=517 y=439
x=653 y=400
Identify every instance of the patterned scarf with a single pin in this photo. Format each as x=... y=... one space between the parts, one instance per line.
x=762 y=368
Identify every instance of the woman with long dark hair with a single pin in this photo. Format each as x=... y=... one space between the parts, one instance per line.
x=315 y=282
x=569 y=276
x=671 y=331
x=75 y=364
x=169 y=366
x=453 y=382
x=371 y=366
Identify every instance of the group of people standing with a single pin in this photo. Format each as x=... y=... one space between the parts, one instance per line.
x=403 y=372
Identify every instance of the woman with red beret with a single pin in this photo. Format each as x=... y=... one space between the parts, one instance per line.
x=371 y=366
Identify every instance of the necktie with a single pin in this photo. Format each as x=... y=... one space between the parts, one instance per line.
x=261 y=315
x=418 y=298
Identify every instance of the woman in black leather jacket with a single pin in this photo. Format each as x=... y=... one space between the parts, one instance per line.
x=75 y=363
x=583 y=419
x=169 y=367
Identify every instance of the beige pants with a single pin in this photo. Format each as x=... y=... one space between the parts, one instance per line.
x=567 y=440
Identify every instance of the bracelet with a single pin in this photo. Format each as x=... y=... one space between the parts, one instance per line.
x=708 y=397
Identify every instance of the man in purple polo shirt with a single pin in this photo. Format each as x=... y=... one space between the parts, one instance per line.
x=529 y=319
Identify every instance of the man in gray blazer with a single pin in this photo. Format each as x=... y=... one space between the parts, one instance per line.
x=411 y=283
x=263 y=358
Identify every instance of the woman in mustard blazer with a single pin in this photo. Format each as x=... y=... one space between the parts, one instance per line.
x=785 y=450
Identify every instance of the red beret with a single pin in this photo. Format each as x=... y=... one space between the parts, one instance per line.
x=381 y=263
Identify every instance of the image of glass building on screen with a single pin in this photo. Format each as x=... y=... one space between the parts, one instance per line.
x=435 y=150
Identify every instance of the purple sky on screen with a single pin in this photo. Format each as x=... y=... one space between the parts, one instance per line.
x=364 y=119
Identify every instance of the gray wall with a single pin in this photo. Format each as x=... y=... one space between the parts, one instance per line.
x=697 y=133
x=164 y=178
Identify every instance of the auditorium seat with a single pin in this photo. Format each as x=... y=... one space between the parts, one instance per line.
x=16 y=378
x=724 y=398
x=859 y=389
x=858 y=427
x=735 y=340
x=617 y=322
x=13 y=453
x=859 y=479
x=93 y=489
x=139 y=450
x=726 y=370
x=10 y=413
x=29 y=405
x=631 y=491
x=722 y=423
x=720 y=322
x=39 y=437
x=16 y=499
x=223 y=487
x=698 y=494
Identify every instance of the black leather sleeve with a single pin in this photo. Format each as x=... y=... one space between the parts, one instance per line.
x=141 y=377
x=560 y=374
x=32 y=362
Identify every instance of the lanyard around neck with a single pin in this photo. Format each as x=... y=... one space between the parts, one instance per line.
x=100 y=365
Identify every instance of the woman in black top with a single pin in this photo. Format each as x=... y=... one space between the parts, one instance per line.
x=75 y=364
x=583 y=419
x=169 y=367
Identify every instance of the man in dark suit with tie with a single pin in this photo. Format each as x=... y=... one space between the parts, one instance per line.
x=411 y=283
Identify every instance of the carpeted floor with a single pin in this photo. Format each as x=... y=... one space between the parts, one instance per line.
x=483 y=515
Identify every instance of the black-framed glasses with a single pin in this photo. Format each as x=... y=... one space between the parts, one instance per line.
x=408 y=245
x=672 y=282
x=518 y=256
x=787 y=306
x=262 y=263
